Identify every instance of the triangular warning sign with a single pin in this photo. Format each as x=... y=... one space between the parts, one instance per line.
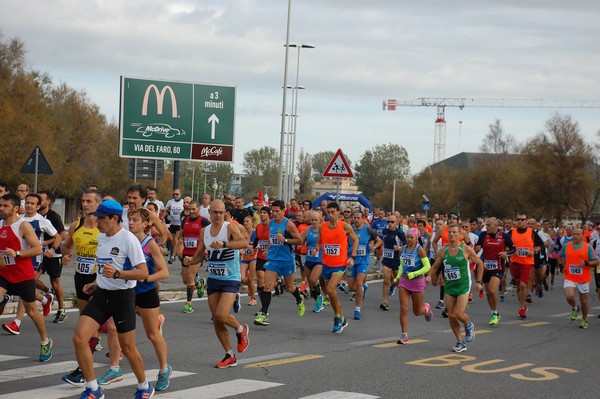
x=43 y=167
x=338 y=167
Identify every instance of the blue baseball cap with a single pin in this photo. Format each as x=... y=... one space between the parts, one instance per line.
x=107 y=208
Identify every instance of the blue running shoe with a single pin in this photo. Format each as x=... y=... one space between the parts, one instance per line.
x=164 y=379
x=92 y=394
x=318 y=305
x=365 y=288
x=111 y=376
x=144 y=393
x=459 y=347
x=469 y=332
x=357 y=315
x=74 y=378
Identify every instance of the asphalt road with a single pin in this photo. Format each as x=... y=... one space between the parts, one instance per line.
x=544 y=356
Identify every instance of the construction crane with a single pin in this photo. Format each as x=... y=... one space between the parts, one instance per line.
x=439 y=141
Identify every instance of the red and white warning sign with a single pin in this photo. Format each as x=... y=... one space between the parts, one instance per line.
x=338 y=167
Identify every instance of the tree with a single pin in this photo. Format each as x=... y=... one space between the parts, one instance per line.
x=380 y=166
x=304 y=174
x=496 y=142
x=262 y=169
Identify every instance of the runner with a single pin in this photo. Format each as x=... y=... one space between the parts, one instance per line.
x=221 y=241
x=261 y=243
x=457 y=280
x=579 y=259
x=280 y=261
x=18 y=244
x=379 y=225
x=248 y=261
x=121 y=263
x=333 y=242
x=313 y=263
x=393 y=239
x=174 y=208
x=412 y=274
x=357 y=274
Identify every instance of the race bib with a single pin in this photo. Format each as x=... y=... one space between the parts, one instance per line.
x=490 y=264
x=8 y=259
x=576 y=269
x=452 y=273
x=408 y=260
x=262 y=245
x=522 y=251
x=331 y=249
x=311 y=250
x=248 y=251
x=217 y=269
x=362 y=250
x=379 y=232
x=273 y=240
x=190 y=242
x=101 y=262
x=388 y=253
x=85 y=265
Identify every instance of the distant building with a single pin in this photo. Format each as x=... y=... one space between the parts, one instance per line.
x=235 y=187
x=330 y=185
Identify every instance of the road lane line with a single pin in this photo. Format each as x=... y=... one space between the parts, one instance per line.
x=21 y=373
x=285 y=361
x=266 y=357
x=339 y=395
x=392 y=344
x=220 y=390
x=535 y=324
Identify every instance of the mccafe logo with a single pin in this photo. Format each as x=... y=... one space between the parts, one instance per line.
x=160 y=98
x=211 y=152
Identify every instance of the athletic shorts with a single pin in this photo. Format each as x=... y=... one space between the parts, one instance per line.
x=148 y=299
x=284 y=269
x=488 y=274
x=118 y=304
x=52 y=266
x=520 y=272
x=539 y=266
x=329 y=271
x=213 y=286
x=582 y=288
x=24 y=289
x=309 y=264
x=260 y=265
x=246 y=261
x=174 y=229
x=417 y=284
x=360 y=268
x=80 y=281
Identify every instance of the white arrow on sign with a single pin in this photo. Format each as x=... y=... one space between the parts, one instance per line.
x=212 y=120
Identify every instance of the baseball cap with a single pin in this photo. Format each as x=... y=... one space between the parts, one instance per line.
x=108 y=207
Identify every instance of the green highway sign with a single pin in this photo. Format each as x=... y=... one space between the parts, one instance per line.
x=176 y=120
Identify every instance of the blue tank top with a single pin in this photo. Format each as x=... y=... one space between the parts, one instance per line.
x=279 y=251
x=411 y=262
x=364 y=251
x=141 y=287
x=311 y=243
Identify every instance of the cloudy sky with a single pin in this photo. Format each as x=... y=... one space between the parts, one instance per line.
x=365 y=51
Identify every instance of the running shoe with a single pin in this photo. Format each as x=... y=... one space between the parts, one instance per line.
x=46 y=351
x=48 y=306
x=523 y=312
x=93 y=344
x=163 y=380
x=237 y=305
x=574 y=313
x=252 y=301
x=365 y=288
x=171 y=259
x=460 y=346
x=470 y=332
x=583 y=323
x=357 y=315
x=111 y=376
x=339 y=324
x=528 y=299
x=187 y=308
x=5 y=300
x=440 y=304
x=392 y=289
x=403 y=339
x=242 y=339
x=74 y=378
x=502 y=297
x=200 y=288
x=12 y=328
x=98 y=346
x=60 y=317
x=92 y=394
x=540 y=292
x=545 y=283
x=428 y=313
x=326 y=301
x=161 y=322
x=470 y=297
x=228 y=361
x=261 y=319
x=300 y=309
x=318 y=305
x=144 y=393
x=384 y=306
x=445 y=313
x=495 y=319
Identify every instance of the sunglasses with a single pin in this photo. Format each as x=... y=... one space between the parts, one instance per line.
x=522 y=219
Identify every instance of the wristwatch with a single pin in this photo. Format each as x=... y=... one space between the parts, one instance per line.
x=17 y=254
x=353 y=257
x=116 y=274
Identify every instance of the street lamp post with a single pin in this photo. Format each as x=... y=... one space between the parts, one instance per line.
x=280 y=181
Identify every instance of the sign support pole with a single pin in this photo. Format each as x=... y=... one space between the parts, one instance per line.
x=37 y=162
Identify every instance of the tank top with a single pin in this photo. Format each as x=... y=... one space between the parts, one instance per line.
x=17 y=269
x=363 y=250
x=279 y=251
x=573 y=270
x=492 y=246
x=142 y=287
x=411 y=262
x=311 y=243
x=457 y=276
x=191 y=234
x=334 y=243
x=262 y=240
x=86 y=244
x=223 y=263
x=523 y=242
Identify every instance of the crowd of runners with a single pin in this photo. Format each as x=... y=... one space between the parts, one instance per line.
x=121 y=252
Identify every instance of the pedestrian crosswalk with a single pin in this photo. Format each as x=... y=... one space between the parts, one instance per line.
x=218 y=390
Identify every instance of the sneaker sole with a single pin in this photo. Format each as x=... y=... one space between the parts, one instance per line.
x=341 y=329
x=459 y=350
x=118 y=379
x=73 y=383
x=9 y=330
x=224 y=367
